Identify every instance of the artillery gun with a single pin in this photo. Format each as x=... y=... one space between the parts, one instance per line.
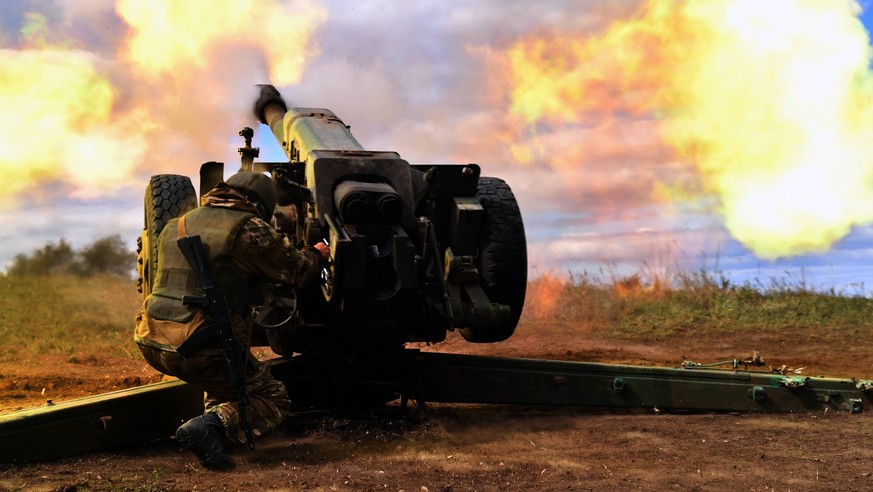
x=416 y=251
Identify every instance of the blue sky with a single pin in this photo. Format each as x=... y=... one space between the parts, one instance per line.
x=425 y=87
x=866 y=14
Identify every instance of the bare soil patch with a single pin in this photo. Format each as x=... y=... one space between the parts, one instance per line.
x=479 y=447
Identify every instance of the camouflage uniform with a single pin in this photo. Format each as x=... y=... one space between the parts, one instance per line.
x=257 y=253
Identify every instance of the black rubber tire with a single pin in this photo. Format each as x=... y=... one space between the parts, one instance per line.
x=502 y=260
x=167 y=196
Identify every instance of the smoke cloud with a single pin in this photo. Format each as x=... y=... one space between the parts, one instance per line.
x=605 y=117
x=97 y=96
x=771 y=105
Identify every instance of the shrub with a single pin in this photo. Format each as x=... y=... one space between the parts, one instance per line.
x=107 y=255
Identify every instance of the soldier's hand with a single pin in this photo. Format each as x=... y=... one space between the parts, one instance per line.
x=323 y=249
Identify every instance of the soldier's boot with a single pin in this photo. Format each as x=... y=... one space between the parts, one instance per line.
x=204 y=436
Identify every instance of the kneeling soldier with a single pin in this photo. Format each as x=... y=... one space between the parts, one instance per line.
x=180 y=327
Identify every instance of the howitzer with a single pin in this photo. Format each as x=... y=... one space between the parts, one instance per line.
x=416 y=250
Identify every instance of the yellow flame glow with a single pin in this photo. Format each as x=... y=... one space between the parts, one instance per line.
x=181 y=84
x=770 y=101
x=56 y=112
x=169 y=35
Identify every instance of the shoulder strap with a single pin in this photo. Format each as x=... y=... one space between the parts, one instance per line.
x=181 y=228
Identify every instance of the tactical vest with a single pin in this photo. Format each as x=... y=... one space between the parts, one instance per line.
x=217 y=228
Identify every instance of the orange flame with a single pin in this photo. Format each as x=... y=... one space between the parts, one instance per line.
x=543 y=294
x=168 y=36
x=772 y=104
x=18 y=94
x=182 y=80
x=57 y=113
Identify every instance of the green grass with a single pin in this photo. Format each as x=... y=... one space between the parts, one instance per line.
x=83 y=318
x=76 y=317
x=696 y=303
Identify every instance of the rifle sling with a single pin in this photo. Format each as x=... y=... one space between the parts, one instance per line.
x=181 y=228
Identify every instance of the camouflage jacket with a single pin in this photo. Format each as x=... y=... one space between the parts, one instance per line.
x=258 y=251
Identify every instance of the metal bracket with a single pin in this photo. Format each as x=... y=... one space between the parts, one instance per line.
x=470 y=305
x=757 y=393
x=618 y=385
x=793 y=381
x=854 y=405
x=103 y=424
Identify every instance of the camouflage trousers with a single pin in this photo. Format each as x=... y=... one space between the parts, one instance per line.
x=268 y=398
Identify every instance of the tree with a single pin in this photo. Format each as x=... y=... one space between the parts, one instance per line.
x=51 y=259
x=106 y=255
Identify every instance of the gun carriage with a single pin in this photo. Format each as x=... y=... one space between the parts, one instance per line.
x=416 y=250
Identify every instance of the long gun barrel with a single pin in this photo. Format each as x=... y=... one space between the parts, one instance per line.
x=302 y=130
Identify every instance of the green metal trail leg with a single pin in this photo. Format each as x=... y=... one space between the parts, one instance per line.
x=456 y=378
x=154 y=411
x=101 y=422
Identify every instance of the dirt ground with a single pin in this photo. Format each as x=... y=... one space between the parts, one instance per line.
x=479 y=447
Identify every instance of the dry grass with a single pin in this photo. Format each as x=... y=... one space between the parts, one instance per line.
x=93 y=317
x=65 y=315
x=695 y=303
